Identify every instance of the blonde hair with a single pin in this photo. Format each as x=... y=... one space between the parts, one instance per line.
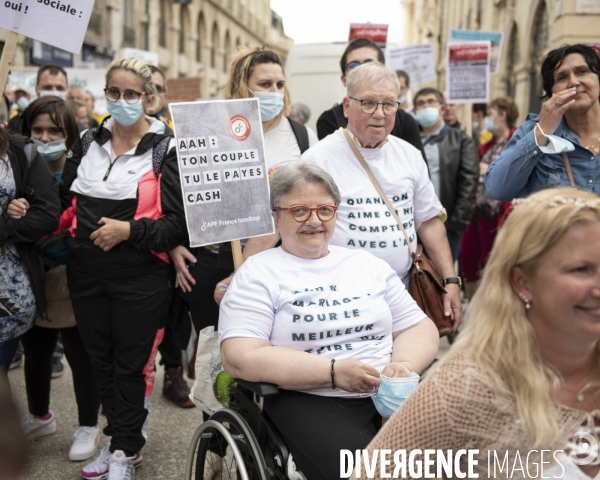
x=498 y=334
x=241 y=70
x=140 y=69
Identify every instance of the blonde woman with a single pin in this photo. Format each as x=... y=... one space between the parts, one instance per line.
x=120 y=188
x=524 y=376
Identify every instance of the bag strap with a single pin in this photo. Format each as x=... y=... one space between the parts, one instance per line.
x=565 y=156
x=301 y=134
x=382 y=194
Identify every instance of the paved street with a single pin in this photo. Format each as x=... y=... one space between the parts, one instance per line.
x=169 y=434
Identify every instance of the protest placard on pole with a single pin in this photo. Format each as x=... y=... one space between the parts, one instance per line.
x=468 y=72
x=376 y=32
x=224 y=180
x=56 y=22
x=416 y=60
x=496 y=39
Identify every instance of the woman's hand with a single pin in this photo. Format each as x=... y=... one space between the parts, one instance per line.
x=394 y=370
x=17 y=209
x=483 y=167
x=353 y=375
x=111 y=233
x=183 y=279
x=552 y=113
x=221 y=288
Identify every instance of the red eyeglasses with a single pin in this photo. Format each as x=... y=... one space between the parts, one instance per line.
x=301 y=213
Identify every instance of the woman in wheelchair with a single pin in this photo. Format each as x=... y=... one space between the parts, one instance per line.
x=321 y=322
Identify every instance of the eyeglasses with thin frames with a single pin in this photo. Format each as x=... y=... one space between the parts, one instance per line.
x=370 y=106
x=301 y=213
x=131 y=96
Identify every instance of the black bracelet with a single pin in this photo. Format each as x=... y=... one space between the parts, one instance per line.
x=332 y=374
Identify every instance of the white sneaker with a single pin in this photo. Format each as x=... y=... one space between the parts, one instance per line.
x=99 y=468
x=35 y=427
x=121 y=467
x=85 y=444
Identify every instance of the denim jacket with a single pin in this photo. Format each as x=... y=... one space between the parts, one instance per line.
x=523 y=169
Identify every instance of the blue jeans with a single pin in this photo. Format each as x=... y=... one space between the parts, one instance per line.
x=454 y=241
x=7 y=352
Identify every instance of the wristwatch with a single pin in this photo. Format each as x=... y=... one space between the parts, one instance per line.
x=456 y=280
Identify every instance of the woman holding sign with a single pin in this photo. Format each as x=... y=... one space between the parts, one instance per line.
x=121 y=191
x=256 y=73
x=322 y=322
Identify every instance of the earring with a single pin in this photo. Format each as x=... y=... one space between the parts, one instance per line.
x=526 y=300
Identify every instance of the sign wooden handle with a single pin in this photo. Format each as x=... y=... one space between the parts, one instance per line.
x=10 y=46
x=236 y=248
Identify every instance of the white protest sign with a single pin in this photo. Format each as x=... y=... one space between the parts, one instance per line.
x=416 y=60
x=150 y=58
x=57 y=23
x=224 y=180
x=496 y=39
x=468 y=72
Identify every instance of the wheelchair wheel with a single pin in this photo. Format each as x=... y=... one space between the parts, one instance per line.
x=225 y=448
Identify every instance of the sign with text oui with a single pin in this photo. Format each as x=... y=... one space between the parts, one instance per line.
x=224 y=180
x=58 y=23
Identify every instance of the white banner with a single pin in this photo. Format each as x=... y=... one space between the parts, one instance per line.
x=150 y=58
x=468 y=72
x=62 y=25
x=224 y=180
x=416 y=60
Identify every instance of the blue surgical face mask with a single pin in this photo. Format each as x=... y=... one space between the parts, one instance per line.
x=402 y=99
x=124 y=113
x=489 y=124
x=271 y=104
x=475 y=126
x=428 y=116
x=51 y=151
x=56 y=93
x=22 y=103
x=392 y=393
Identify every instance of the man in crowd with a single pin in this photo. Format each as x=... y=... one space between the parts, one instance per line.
x=51 y=80
x=76 y=93
x=363 y=220
x=175 y=388
x=160 y=81
x=300 y=113
x=451 y=115
x=404 y=80
x=453 y=163
x=481 y=134
x=359 y=52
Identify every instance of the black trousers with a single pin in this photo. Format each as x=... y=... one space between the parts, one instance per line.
x=208 y=271
x=121 y=322
x=38 y=346
x=316 y=428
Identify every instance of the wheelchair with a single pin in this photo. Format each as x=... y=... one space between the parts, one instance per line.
x=240 y=442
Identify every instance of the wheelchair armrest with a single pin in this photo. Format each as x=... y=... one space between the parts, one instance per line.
x=260 y=388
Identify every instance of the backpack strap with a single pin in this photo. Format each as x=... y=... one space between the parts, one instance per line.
x=86 y=140
x=301 y=134
x=159 y=152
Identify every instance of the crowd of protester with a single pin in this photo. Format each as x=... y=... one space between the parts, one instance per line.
x=99 y=201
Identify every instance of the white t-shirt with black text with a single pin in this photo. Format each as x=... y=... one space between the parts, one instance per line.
x=363 y=220
x=344 y=305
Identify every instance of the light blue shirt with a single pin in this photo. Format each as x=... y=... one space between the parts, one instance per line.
x=522 y=169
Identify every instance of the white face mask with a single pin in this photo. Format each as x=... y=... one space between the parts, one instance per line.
x=56 y=93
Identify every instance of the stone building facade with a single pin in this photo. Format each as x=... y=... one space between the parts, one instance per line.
x=531 y=29
x=197 y=39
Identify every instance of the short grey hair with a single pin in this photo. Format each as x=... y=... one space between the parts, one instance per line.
x=301 y=111
x=293 y=175
x=371 y=73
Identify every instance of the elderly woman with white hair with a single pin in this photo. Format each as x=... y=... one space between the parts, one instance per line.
x=321 y=322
